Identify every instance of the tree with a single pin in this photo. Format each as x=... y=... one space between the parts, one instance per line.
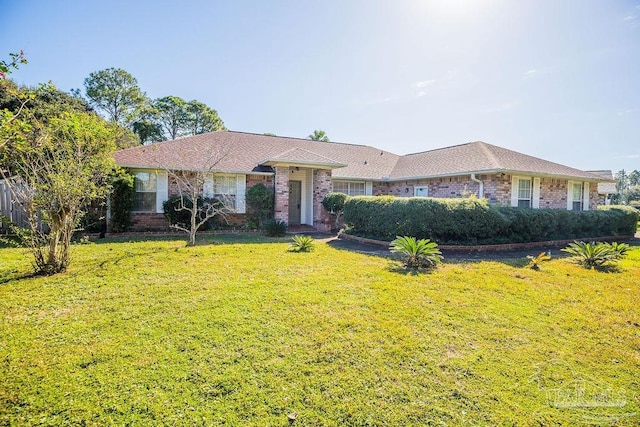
x=319 y=135
x=202 y=119
x=146 y=126
x=334 y=204
x=176 y=117
x=194 y=198
x=115 y=93
x=627 y=186
x=170 y=113
x=13 y=64
x=57 y=169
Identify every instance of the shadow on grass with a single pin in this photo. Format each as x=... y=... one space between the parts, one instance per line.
x=399 y=268
x=201 y=239
x=10 y=278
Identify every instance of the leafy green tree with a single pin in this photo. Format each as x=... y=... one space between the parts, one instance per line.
x=115 y=93
x=146 y=126
x=170 y=113
x=58 y=168
x=319 y=135
x=202 y=119
x=627 y=186
x=13 y=64
x=43 y=102
x=175 y=117
x=334 y=204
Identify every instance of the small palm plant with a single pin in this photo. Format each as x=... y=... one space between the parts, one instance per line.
x=301 y=243
x=596 y=255
x=535 y=261
x=417 y=253
x=275 y=228
x=620 y=248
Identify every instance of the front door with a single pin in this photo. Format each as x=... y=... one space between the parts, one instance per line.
x=295 y=199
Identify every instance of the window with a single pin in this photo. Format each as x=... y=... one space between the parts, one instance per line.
x=421 y=191
x=576 y=191
x=524 y=193
x=223 y=188
x=146 y=184
x=349 y=188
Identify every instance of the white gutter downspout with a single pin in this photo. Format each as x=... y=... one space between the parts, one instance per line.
x=481 y=185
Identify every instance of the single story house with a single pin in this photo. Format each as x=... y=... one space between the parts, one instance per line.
x=301 y=172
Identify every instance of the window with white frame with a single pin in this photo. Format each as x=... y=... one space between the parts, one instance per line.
x=350 y=188
x=524 y=192
x=421 y=191
x=223 y=188
x=146 y=186
x=576 y=192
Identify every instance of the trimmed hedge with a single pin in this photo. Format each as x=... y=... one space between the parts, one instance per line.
x=473 y=221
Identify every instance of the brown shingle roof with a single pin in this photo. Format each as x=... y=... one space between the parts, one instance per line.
x=304 y=157
x=479 y=157
x=245 y=152
x=240 y=152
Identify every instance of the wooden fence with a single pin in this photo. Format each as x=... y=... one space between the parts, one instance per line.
x=10 y=208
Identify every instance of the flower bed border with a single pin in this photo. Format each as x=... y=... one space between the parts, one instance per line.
x=495 y=248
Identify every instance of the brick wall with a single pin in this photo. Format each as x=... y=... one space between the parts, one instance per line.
x=553 y=193
x=143 y=221
x=497 y=189
x=281 y=186
x=438 y=187
x=322 y=220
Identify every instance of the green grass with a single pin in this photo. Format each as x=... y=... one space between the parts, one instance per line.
x=153 y=332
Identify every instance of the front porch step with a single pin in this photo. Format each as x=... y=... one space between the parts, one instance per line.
x=301 y=229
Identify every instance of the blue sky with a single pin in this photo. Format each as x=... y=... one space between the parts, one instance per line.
x=555 y=79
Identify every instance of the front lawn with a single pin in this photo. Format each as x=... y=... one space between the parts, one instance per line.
x=247 y=333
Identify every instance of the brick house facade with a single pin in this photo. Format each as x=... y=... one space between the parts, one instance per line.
x=301 y=172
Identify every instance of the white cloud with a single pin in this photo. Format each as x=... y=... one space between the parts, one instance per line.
x=629 y=18
x=425 y=83
x=531 y=73
x=625 y=112
x=421 y=93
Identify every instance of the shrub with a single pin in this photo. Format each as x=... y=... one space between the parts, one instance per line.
x=334 y=204
x=260 y=203
x=182 y=218
x=596 y=255
x=626 y=218
x=301 y=243
x=473 y=221
x=443 y=220
x=275 y=228
x=417 y=253
x=122 y=199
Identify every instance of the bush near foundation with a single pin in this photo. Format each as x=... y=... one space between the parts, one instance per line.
x=473 y=221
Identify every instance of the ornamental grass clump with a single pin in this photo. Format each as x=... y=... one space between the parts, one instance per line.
x=301 y=243
x=421 y=253
x=596 y=255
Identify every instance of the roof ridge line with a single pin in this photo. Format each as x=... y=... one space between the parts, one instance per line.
x=489 y=154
